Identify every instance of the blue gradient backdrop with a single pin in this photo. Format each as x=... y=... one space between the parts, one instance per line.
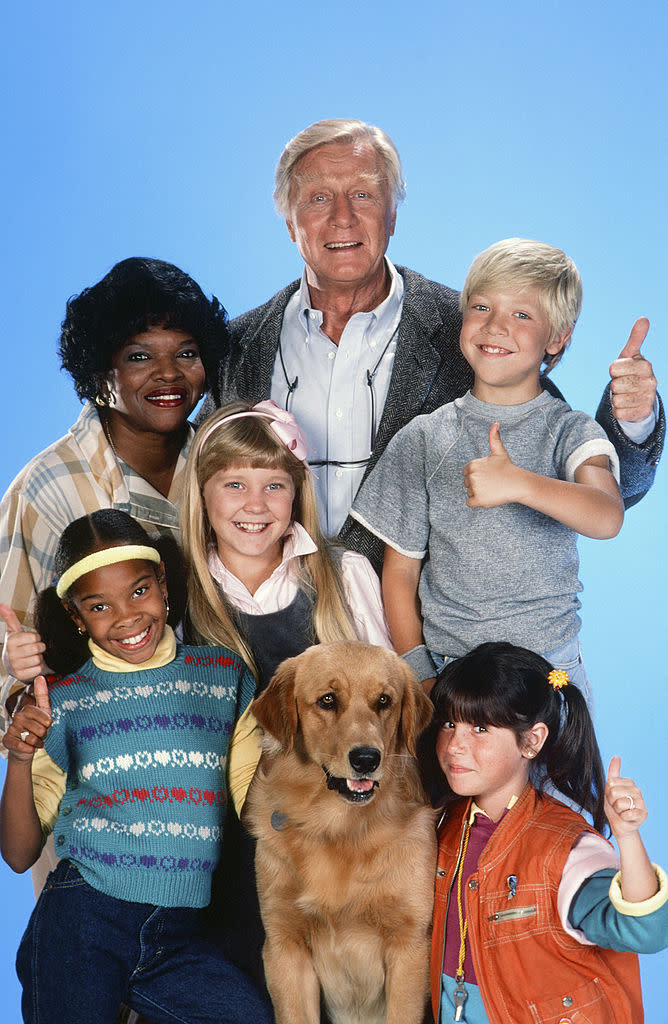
x=152 y=128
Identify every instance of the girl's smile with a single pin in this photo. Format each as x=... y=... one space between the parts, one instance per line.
x=122 y=607
x=250 y=510
x=486 y=762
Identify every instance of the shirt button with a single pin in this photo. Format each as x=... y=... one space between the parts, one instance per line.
x=567 y=1001
x=339 y=473
x=441 y=872
x=330 y=355
x=339 y=414
x=373 y=344
x=60 y=840
x=67 y=810
x=473 y=884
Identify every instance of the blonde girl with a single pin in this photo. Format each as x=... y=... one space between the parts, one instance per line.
x=263 y=581
x=253 y=543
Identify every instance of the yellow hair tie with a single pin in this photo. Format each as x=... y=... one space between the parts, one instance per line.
x=108 y=556
x=558 y=678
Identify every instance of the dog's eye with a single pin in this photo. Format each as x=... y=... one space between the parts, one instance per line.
x=384 y=701
x=327 y=701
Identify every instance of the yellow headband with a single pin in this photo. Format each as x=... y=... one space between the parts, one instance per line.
x=108 y=556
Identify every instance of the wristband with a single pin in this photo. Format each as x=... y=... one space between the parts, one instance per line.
x=419 y=659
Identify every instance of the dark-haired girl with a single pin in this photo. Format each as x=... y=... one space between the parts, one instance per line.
x=535 y=917
x=141 y=732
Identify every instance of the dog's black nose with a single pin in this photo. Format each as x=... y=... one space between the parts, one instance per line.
x=364 y=759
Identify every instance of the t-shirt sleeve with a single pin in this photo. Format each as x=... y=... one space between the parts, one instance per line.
x=581 y=438
x=393 y=502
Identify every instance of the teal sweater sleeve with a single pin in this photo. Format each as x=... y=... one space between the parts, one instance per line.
x=593 y=913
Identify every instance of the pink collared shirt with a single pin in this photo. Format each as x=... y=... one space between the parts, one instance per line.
x=360 y=584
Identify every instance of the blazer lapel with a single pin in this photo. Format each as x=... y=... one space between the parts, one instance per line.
x=416 y=363
x=259 y=345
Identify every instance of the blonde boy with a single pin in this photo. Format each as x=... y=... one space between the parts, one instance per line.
x=480 y=502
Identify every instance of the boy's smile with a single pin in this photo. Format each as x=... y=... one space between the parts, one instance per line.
x=505 y=336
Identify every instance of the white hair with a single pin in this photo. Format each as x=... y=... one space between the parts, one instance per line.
x=337 y=129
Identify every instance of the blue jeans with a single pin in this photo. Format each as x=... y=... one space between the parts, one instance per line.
x=84 y=953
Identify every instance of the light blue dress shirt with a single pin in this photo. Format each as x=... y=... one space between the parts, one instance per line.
x=332 y=379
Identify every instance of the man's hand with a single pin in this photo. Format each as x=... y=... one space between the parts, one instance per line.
x=633 y=384
x=490 y=481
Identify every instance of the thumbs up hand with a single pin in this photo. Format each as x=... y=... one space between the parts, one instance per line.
x=491 y=481
x=633 y=384
x=30 y=725
x=22 y=655
x=624 y=805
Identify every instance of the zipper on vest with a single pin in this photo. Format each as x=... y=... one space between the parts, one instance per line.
x=514 y=914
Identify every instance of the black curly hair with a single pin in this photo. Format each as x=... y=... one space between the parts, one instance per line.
x=136 y=294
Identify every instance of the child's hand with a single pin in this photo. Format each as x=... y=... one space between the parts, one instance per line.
x=490 y=481
x=29 y=725
x=624 y=805
x=23 y=651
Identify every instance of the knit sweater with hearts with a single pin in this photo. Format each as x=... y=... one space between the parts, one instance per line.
x=145 y=755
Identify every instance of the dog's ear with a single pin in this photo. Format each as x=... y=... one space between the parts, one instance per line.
x=276 y=708
x=416 y=709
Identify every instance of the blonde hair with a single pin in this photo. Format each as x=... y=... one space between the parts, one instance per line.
x=337 y=129
x=523 y=263
x=250 y=441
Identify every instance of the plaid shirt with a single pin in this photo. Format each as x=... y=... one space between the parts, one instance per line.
x=71 y=478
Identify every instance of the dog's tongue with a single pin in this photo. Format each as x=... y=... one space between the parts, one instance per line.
x=359 y=785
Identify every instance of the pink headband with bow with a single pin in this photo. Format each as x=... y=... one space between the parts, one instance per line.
x=282 y=423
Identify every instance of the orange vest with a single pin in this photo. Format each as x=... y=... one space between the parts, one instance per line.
x=529 y=970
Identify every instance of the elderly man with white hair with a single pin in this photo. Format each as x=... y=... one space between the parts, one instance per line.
x=358 y=346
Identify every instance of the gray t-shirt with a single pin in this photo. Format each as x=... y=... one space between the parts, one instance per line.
x=506 y=573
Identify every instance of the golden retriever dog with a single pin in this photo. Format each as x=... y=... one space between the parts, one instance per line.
x=346 y=848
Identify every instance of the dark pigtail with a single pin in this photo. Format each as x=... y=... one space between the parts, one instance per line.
x=66 y=648
x=571 y=757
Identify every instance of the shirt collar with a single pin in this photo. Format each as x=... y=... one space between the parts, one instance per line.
x=386 y=315
x=297 y=542
x=478 y=810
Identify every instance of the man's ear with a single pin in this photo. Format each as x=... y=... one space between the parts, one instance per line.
x=533 y=740
x=291 y=231
x=393 y=222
